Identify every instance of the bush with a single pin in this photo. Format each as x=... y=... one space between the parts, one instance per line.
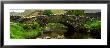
x=95 y=24
x=93 y=28
x=47 y=12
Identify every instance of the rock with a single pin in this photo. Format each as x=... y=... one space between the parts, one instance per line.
x=60 y=37
x=38 y=38
x=47 y=37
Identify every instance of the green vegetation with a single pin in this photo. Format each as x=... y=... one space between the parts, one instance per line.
x=94 y=24
x=61 y=25
x=56 y=27
x=47 y=12
x=18 y=32
x=58 y=11
x=75 y=12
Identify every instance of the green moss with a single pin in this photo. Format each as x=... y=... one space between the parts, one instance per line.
x=57 y=27
x=95 y=24
x=18 y=32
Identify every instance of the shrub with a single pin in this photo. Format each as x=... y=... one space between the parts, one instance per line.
x=95 y=24
x=47 y=12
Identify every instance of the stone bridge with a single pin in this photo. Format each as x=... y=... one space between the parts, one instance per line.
x=73 y=23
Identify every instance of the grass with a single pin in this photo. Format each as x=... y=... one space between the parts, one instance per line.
x=58 y=11
x=17 y=32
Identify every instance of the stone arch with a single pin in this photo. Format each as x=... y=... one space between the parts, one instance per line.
x=61 y=20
